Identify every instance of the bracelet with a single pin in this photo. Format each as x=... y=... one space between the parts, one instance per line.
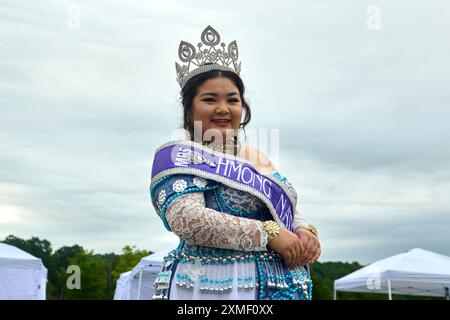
x=312 y=228
x=272 y=228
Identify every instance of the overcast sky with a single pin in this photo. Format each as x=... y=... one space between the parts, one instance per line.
x=358 y=91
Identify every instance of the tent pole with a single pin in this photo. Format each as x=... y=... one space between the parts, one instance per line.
x=334 y=292
x=139 y=285
x=389 y=289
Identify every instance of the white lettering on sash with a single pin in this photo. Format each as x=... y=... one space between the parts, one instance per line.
x=267 y=190
x=258 y=178
x=182 y=158
x=281 y=202
x=235 y=168
x=288 y=216
x=220 y=164
x=250 y=173
x=244 y=174
x=236 y=171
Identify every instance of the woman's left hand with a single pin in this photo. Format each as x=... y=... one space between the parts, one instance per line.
x=311 y=246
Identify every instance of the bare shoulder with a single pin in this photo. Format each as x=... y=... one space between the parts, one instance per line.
x=257 y=157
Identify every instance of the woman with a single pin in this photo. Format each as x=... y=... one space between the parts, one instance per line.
x=240 y=235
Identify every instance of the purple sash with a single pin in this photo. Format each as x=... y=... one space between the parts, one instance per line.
x=187 y=157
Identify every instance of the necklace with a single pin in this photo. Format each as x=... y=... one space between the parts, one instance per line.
x=227 y=148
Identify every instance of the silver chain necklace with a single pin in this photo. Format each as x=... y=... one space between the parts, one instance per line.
x=227 y=148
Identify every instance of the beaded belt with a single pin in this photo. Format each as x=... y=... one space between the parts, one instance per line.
x=192 y=260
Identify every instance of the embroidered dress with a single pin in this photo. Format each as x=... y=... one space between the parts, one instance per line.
x=223 y=250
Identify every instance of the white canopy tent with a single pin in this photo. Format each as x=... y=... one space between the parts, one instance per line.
x=137 y=284
x=22 y=276
x=416 y=272
x=122 y=291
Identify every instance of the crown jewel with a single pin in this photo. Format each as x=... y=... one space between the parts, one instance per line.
x=209 y=56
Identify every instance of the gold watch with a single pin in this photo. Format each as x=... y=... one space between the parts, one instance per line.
x=272 y=228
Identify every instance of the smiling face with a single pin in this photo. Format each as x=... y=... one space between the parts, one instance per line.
x=217 y=109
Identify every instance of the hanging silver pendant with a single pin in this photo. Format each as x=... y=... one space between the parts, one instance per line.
x=197 y=158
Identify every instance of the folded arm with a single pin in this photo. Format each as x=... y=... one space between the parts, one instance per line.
x=189 y=219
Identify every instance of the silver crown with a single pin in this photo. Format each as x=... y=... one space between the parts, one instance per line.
x=207 y=58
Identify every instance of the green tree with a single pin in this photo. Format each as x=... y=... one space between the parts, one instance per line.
x=99 y=272
x=112 y=260
x=129 y=258
x=39 y=248
x=57 y=275
x=94 y=277
x=324 y=274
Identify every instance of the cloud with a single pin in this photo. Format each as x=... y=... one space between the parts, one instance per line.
x=362 y=116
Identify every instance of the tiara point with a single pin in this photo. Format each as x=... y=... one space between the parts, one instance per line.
x=233 y=50
x=206 y=59
x=186 y=51
x=210 y=36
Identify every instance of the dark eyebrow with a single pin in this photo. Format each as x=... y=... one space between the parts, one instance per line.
x=215 y=94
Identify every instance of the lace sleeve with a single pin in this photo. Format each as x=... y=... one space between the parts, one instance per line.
x=193 y=222
x=299 y=222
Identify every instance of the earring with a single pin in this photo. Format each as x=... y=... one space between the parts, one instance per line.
x=237 y=146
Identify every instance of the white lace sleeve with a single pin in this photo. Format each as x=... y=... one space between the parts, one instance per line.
x=298 y=220
x=189 y=219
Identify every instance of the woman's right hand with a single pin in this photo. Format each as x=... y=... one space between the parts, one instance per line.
x=289 y=246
